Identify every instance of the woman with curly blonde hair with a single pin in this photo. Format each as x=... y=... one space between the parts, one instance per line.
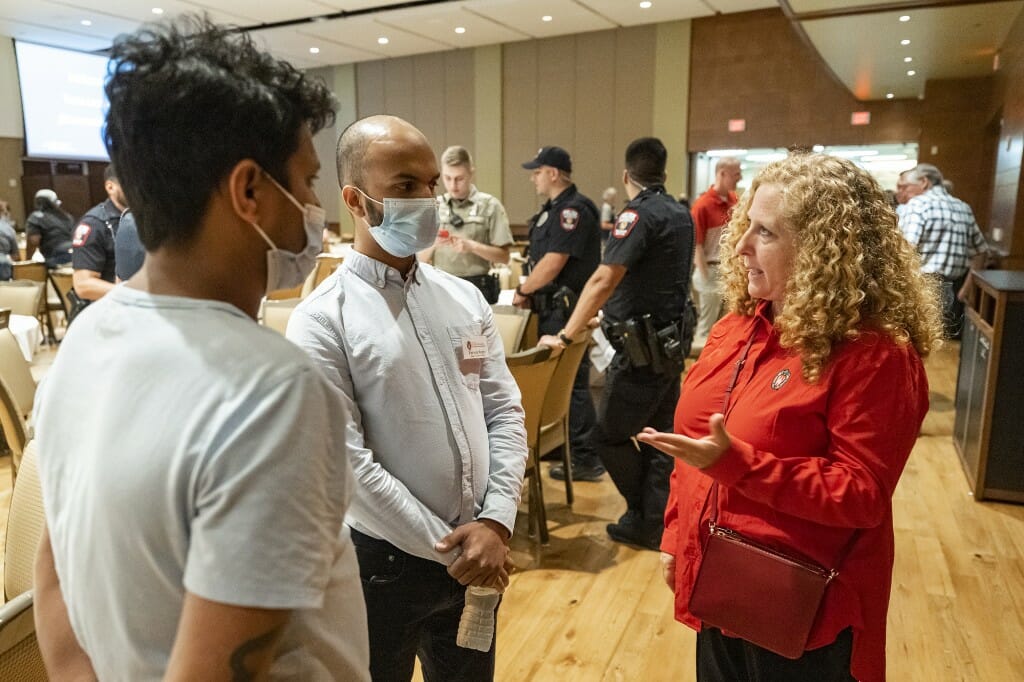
x=793 y=427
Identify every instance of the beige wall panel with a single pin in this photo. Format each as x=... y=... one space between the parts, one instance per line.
x=11 y=149
x=634 y=86
x=671 y=100
x=556 y=92
x=399 y=94
x=370 y=89
x=460 y=86
x=487 y=118
x=519 y=69
x=430 y=98
x=596 y=164
x=10 y=92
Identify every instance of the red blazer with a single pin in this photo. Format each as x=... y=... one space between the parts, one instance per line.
x=809 y=465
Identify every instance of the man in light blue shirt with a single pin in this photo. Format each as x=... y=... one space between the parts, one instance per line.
x=436 y=436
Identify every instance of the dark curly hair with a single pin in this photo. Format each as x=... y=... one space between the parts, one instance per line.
x=188 y=101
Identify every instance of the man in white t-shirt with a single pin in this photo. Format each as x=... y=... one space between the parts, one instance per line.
x=190 y=460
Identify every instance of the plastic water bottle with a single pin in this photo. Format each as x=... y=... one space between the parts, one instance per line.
x=476 y=628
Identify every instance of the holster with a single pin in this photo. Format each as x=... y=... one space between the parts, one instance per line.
x=644 y=343
x=553 y=298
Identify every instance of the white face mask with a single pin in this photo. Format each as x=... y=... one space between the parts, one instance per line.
x=408 y=225
x=286 y=270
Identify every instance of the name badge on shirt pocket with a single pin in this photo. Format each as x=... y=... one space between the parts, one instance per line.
x=470 y=346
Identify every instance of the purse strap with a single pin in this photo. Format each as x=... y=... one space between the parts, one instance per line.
x=713 y=492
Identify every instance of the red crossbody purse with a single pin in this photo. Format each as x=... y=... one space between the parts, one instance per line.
x=765 y=596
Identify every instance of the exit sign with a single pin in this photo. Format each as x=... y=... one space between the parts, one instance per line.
x=860 y=118
x=737 y=125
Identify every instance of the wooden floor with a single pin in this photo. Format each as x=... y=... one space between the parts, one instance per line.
x=585 y=608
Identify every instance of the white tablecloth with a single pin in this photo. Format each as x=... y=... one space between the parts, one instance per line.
x=28 y=332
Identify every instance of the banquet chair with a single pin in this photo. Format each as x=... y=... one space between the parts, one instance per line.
x=22 y=296
x=25 y=524
x=532 y=369
x=275 y=313
x=511 y=323
x=554 y=418
x=15 y=431
x=17 y=373
x=20 y=658
x=51 y=301
x=325 y=265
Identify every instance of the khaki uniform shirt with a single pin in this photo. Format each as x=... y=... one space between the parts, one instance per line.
x=483 y=220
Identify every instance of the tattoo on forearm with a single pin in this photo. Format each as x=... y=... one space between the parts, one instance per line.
x=240 y=666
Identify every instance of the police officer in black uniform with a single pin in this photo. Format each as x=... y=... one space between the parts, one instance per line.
x=565 y=249
x=93 y=254
x=643 y=284
x=48 y=228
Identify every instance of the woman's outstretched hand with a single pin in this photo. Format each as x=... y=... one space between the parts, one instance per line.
x=702 y=452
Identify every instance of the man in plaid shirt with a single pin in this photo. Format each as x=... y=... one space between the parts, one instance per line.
x=947 y=236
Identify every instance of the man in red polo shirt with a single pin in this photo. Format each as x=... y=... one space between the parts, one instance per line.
x=711 y=212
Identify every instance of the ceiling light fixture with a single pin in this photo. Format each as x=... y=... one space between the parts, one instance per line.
x=383 y=40
x=819 y=148
x=158 y=10
x=907 y=60
x=911 y=73
x=889 y=95
x=460 y=29
x=546 y=17
x=646 y=4
x=86 y=22
x=905 y=18
x=904 y=42
x=314 y=50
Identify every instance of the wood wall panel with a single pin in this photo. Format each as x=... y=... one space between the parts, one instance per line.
x=11 y=151
x=780 y=85
x=1008 y=116
x=954 y=122
x=370 y=89
x=459 y=122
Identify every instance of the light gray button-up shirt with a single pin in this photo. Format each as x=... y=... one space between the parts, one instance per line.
x=436 y=436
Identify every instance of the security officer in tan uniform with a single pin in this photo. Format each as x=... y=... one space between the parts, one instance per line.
x=474 y=227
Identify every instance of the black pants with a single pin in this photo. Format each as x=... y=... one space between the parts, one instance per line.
x=729 y=659
x=952 y=307
x=582 y=417
x=632 y=399
x=413 y=609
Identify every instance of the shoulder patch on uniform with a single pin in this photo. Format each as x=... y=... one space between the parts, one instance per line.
x=624 y=225
x=570 y=218
x=82 y=233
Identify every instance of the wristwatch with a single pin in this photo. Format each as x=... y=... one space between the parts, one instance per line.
x=564 y=338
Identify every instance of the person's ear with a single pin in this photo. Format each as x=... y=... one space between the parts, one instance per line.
x=243 y=188
x=353 y=202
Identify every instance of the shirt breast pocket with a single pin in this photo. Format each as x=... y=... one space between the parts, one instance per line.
x=470 y=347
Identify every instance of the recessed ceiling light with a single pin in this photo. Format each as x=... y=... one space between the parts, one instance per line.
x=460 y=29
x=905 y=18
x=546 y=17
x=314 y=50
x=889 y=95
x=645 y=4
x=383 y=40
x=911 y=72
x=907 y=60
x=86 y=22
x=158 y=10
x=904 y=42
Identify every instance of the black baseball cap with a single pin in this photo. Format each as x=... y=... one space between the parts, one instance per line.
x=556 y=157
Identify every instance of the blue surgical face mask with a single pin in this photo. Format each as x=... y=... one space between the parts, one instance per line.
x=408 y=226
x=287 y=270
